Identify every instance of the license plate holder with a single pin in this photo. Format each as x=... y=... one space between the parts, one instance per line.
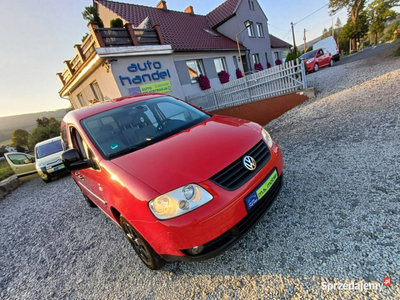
x=261 y=190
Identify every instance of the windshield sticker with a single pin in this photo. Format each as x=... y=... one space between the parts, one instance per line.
x=114 y=146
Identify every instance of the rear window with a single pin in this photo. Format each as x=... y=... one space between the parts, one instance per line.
x=48 y=149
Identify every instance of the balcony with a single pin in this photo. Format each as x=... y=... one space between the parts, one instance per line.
x=106 y=38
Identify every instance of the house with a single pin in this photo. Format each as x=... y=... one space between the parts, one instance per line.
x=161 y=50
x=279 y=48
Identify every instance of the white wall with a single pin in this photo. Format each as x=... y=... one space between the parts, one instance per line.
x=105 y=81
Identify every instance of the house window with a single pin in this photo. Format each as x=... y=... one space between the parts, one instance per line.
x=195 y=68
x=266 y=57
x=256 y=58
x=220 y=64
x=81 y=100
x=260 y=31
x=96 y=91
x=276 y=55
x=235 y=62
x=251 y=4
x=250 y=30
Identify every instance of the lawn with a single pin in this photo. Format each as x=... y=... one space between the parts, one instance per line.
x=5 y=170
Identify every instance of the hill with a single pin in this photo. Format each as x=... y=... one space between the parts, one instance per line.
x=26 y=122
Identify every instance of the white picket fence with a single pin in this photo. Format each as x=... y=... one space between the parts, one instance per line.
x=275 y=81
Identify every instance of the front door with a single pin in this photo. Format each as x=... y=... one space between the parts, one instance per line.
x=22 y=164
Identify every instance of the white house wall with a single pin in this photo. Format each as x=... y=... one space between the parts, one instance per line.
x=260 y=45
x=106 y=82
x=106 y=15
x=180 y=59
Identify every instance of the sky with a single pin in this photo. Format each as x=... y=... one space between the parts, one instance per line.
x=38 y=36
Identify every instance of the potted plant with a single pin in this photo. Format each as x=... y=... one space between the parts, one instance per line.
x=223 y=77
x=238 y=73
x=204 y=82
x=258 y=66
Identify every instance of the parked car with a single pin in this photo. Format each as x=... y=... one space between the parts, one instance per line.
x=316 y=59
x=328 y=43
x=48 y=159
x=183 y=184
x=22 y=164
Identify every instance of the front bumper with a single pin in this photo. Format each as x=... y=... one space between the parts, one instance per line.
x=234 y=234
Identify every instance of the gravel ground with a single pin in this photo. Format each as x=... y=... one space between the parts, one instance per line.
x=335 y=220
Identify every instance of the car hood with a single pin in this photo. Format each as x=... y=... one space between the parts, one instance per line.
x=193 y=155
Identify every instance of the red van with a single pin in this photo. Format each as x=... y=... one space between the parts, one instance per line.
x=183 y=184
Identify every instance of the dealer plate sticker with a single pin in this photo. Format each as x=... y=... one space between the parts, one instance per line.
x=260 y=192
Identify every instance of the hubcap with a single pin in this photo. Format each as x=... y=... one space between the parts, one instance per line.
x=137 y=244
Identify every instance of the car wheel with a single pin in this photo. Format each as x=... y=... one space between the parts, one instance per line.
x=331 y=63
x=146 y=253
x=47 y=180
x=316 y=68
x=88 y=201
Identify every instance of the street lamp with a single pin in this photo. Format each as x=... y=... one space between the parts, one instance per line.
x=247 y=24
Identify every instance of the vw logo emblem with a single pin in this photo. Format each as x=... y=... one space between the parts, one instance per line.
x=249 y=163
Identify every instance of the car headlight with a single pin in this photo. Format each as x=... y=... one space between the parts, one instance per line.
x=310 y=60
x=179 y=201
x=267 y=138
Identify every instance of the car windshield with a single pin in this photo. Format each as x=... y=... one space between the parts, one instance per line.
x=48 y=149
x=308 y=55
x=134 y=126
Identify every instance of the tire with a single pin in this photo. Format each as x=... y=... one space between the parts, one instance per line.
x=331 y=63
x=88 y=201
x=47 y=180
x=145 y=252
x=316 y=68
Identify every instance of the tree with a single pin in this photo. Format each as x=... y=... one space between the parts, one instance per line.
x=90 y=14
x=46 y=128
x=354 y=8
x=355 y=31
x=379 y=11
x=325 y=34
x=19 y=137
x=117 y=23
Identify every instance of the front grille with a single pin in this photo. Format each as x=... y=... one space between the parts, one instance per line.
x=235 y=175
x=236 y=232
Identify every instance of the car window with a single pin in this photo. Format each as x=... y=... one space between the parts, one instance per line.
x=64 y=139
x=325 y=51
x=140 y=124
x=20 y=159
x=78 y=143
x=308 y=55
x=48 y=149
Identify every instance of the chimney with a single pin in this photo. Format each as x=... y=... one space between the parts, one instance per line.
x=189 y=10
x=162 y=5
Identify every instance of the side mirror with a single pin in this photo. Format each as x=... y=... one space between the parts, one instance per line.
x=73 y=162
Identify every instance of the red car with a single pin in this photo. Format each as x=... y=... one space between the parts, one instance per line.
x=183 y=184
x=317 y=59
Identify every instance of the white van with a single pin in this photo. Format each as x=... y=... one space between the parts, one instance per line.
x=330 y=44
x=48 y=160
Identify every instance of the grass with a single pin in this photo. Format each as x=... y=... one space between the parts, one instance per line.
x=5 y=170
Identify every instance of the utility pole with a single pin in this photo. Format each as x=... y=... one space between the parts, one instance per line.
x=333 y=30
x=305 y=48
x=294 y=41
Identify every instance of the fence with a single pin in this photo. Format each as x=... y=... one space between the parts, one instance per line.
x=272 y=82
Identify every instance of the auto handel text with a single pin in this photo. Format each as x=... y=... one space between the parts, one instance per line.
x=352 y=286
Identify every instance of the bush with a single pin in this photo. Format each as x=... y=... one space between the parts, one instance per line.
x=117 y=23
x=258 y=67
x=204 y=82
x=398 y=52
x=223 y=77
x=291 y=56
x=278 y=62
x=238 y=73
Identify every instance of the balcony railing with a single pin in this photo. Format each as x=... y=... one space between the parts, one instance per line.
x=108 y=37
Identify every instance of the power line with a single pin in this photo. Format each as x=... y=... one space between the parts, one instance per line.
x=311 y=14
x=269 y=24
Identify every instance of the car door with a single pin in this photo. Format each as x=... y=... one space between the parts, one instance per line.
x=22 y=164
x=89 y=180
x=327 y=57
x=320 y=58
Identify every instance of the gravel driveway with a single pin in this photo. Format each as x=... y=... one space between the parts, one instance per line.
x=336 y=219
